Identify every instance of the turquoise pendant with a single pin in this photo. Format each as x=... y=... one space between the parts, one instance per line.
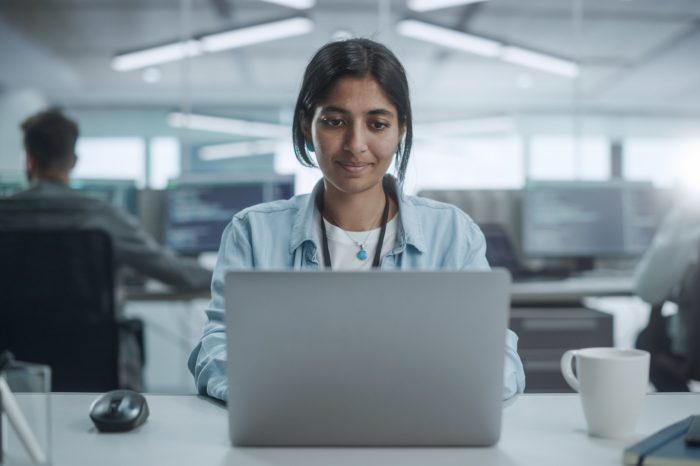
x=362 y=254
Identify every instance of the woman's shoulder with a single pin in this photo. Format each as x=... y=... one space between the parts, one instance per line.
x=452 y=235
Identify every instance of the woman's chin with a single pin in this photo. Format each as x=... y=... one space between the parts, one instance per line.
x=353 y=184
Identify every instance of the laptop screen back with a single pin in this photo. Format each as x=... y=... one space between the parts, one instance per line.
x=366 y=358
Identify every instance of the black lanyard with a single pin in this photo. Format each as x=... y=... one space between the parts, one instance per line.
x=324 y=235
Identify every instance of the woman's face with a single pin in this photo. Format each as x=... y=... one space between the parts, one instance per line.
x=355 y=132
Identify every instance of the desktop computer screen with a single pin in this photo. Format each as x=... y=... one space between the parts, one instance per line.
x=120 y=193
x=198 y=212
x=8 y=188
x=588 y=219
x=12 y=182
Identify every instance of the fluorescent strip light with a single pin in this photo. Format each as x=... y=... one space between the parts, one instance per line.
x=227 y=125
x=212 y=43
x=487 y=47
x=427 y=5
x=540 y=61
x=156 y=55
x=298 y=4
x=256 y=34
x=498 y=124
x=449 y=38
x=237 y=149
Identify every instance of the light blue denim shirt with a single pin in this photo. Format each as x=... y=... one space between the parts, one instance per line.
x=283 y=235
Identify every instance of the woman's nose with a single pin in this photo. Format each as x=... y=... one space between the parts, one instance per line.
x=356 y=141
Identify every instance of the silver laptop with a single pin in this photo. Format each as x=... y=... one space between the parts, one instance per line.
x=366 y=358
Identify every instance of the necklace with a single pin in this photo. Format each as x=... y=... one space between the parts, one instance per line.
x=362 y=253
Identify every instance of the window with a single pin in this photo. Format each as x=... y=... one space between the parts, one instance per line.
x=286 y=163
x=466 y=163
x=665 y=162
x=568 y=158
x=111 y=158
x=165 y=161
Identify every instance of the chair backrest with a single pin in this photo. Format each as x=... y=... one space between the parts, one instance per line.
x=57 y=306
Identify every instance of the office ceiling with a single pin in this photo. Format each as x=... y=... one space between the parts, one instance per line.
x=638 y=56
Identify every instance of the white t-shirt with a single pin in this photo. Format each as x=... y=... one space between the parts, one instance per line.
x=344 y=251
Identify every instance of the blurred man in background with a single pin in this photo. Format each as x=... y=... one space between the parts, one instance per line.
x=50 y=204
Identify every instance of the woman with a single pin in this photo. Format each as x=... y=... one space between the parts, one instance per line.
x=354 y=114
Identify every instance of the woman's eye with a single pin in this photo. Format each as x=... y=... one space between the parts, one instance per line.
x=333 y=122
x=379 y=125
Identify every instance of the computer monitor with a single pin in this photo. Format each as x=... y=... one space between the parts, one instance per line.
x=120 y=193
x=198 y=211
x=499 y=250
x=8 y=188
x=588 y=219
x=12 y=182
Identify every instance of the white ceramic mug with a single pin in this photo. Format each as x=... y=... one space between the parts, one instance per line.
x=612 y=383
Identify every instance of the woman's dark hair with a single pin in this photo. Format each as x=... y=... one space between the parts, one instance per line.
x=356 y=58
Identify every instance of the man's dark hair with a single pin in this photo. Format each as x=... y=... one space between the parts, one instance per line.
x=356 y=58
x=50 y=137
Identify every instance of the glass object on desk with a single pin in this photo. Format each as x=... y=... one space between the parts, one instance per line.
x=25 y=423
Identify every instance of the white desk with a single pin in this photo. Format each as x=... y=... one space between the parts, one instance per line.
x=538 y=430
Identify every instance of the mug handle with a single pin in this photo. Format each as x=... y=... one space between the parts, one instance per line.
x=567 y=371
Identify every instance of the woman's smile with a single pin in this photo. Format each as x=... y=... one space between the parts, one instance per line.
x=353 y=167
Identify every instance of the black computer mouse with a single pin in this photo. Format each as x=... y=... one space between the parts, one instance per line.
x=119 y=411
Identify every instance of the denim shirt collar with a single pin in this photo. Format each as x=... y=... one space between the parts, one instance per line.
x=307 y=220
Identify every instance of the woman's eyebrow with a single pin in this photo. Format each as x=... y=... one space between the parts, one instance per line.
x=381 y=111
x=333 y=108
x=376 y=111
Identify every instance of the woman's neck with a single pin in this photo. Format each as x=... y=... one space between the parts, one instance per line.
x=356 y=211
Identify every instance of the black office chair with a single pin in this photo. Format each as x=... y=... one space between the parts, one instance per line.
x=671 y=372
x=57 y=306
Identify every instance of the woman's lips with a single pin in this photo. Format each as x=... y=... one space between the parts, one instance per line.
x=353 y=167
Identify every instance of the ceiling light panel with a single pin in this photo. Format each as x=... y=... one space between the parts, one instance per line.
x=256 y=34
x=427 y=5
x=487 y=47
x=298 y=4
x=227 y=125
x=156 y=55
x=237 y=149
x=540 y=61
x=449 y=38
x=216 y=42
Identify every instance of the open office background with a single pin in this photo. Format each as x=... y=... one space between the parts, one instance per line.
x=508 y=97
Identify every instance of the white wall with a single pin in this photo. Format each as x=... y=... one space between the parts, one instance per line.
x=15 y=106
